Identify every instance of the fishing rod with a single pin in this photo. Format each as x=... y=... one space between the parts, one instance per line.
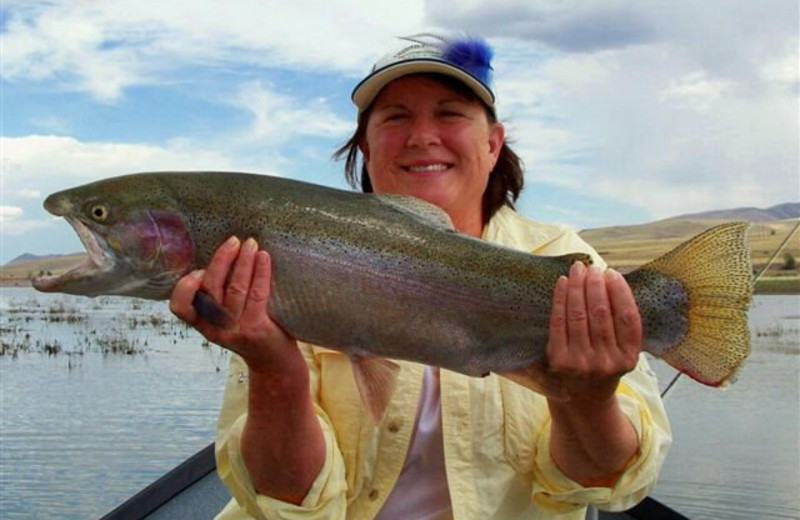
x=755 y=279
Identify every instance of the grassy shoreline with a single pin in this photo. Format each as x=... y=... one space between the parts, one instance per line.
x=778 y=285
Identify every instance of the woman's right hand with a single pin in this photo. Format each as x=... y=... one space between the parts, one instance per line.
x=280 y=411
x=238 y=278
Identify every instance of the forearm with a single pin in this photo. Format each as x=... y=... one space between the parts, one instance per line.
x=282 y=442
x=591 y=444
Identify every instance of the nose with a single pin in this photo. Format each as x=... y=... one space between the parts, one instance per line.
x=423 y=132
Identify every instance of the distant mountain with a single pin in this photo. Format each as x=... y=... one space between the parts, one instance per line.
x=27 y=257
x=776 y=220
x=783 y=211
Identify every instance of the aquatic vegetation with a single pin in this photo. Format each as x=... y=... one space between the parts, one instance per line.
x=776 y=330
x=59 y=312
x=51 y=347
x=68 y=325
x=119 y=343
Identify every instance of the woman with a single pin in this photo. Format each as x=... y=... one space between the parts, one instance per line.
x=294 y=440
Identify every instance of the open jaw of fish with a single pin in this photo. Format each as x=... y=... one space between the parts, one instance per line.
x=98 y=266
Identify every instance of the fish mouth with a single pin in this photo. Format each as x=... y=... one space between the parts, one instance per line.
x=98 y=263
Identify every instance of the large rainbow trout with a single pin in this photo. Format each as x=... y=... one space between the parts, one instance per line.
x=386 y=276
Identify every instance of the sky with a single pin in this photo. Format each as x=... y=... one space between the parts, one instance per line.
x=624 y=111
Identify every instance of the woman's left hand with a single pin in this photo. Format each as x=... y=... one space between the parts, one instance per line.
x=595 y=333
x=595 y=339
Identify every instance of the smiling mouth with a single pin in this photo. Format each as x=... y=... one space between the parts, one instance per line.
x=428 y=168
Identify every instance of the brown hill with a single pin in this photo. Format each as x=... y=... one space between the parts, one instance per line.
x=20 y=270
x=626 y=247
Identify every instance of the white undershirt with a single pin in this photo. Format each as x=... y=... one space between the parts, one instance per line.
x=421 y=491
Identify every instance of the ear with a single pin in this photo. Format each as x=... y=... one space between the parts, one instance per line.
x=497 y=136
x=364 y=147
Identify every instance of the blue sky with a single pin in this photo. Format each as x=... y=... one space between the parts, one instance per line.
x=624 y=111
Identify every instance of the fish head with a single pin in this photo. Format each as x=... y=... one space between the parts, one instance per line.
x=137 y=240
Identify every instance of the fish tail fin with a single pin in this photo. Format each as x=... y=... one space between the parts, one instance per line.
x=714 y=272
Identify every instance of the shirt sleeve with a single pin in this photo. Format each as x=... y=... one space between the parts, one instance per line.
x=325 y=499
x=641 y=402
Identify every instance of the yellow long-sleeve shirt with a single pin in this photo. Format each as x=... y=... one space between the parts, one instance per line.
x=496 y=433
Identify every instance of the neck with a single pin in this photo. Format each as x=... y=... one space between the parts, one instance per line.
x=470 y=224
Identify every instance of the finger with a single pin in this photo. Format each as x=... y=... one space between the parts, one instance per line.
x=627 y=321
x=238 y=286
x=220 y=265
x=557 y=339
x=180 y=303
x=601 y=321
x=256 y=306
x=577 y=318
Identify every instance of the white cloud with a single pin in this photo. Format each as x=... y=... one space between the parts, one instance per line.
x=784 y=69
x=278 y=117
x=646 y=126
x=9 y=212
x=12 y=222
x=56 y=157
x=104 y=47
x=696 y=91
x=25 y=193
x=569 y=25
x=69 y=44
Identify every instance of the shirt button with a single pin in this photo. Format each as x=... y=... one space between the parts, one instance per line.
x=393 y=427
x=373 y=495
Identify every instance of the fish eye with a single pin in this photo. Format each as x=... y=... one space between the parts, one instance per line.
x=99 y=212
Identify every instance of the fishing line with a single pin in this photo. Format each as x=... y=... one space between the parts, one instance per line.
x=755 y=279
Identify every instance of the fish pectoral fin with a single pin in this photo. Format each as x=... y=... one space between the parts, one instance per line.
x=376 y=379
x=537 y=378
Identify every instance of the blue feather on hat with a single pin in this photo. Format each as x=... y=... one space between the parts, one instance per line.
x=471 y=54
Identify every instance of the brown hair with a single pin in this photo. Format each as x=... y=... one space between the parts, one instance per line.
x=505 y=180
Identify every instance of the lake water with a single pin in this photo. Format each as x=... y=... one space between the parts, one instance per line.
x=100 y=397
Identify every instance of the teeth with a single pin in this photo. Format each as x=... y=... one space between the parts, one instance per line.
x=428 y=168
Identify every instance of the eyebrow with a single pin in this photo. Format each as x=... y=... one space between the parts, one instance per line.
x=405 y=107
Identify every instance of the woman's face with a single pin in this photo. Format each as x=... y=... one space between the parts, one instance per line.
x=427 y=140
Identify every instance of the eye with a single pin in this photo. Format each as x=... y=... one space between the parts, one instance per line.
x=394 y=117
x=99 y=212
x=451 y=114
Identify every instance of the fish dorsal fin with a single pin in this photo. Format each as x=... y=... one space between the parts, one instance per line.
x=376 y=379
x=419 y=208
